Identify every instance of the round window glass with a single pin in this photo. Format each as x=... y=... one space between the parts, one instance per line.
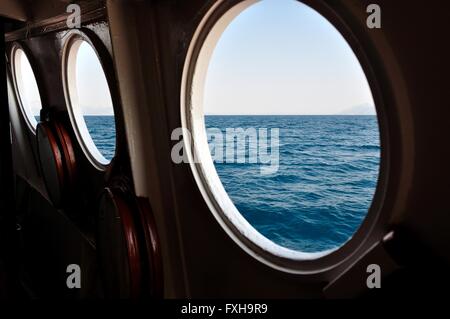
x=286 y=141
x=27 y=88
x=90 y=103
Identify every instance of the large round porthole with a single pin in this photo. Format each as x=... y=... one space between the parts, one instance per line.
x=26 y=87
x=89 y=100
x=281 y=129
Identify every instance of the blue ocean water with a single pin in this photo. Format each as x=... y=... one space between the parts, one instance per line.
x=103 y=133
x=326 y=178
x=327 y=175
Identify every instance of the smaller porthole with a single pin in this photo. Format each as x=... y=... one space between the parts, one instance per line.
x=89 y=100
x=26 y=86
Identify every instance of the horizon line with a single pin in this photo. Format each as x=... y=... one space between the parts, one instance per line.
x=260 y=114
x=290 y=114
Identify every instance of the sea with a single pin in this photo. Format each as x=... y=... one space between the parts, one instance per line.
x=103 y=133
x=326 y=176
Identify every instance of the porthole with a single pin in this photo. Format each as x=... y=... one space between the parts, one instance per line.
x=26 y=86
x=277 y=77
x=89 y=100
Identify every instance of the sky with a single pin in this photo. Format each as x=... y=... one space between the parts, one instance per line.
x=282 y=57
x=275 y=57
x=92 y=88
x=27 y=85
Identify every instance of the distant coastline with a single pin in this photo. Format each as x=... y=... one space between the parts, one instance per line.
x=365 y=109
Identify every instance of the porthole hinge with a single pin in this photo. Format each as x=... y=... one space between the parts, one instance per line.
x=360 y=276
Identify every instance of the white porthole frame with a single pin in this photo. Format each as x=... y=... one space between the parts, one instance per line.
x=230 y=219
x=69 y=60
x=29 y=118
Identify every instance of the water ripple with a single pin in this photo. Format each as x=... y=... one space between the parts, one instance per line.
x=325 y=183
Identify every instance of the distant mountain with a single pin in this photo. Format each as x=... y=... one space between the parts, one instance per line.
x=362 y=109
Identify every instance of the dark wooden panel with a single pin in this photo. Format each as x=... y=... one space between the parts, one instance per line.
x=91 y=11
